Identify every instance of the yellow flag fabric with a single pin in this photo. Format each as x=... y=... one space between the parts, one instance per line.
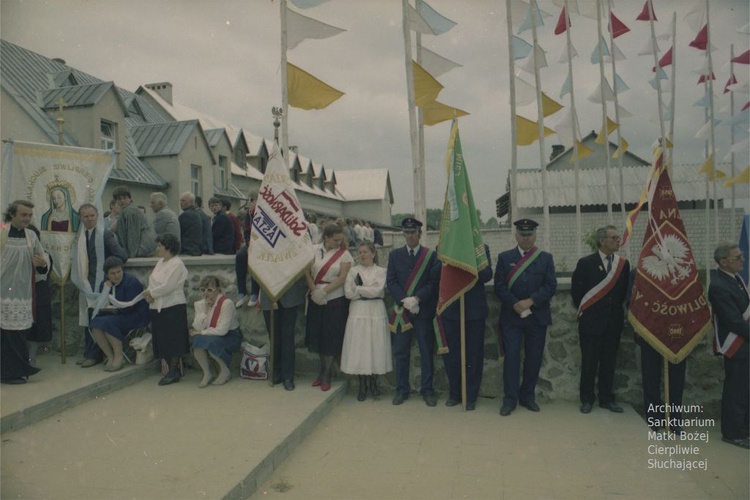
x=621 y=150
x=741 y=178
x=307 y=92
x=549 y=107
x=708 y=169
x=426 y=88
x=583 y=151
x=527 y=131
x=611 y=127
x=436 y=112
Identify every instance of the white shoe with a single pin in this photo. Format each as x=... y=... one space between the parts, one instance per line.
x=240 y=300
x=253 y=301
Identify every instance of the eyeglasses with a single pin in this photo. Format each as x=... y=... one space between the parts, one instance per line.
x=616 y=238
x=209 y=290
x=736 y=257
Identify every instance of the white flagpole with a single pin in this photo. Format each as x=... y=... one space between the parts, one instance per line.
x=711 y=123
x=674 y=86
x=574 y=126
x=284 y=95
x=731 y=111
x=608 y=173
x=617 y=117
x=420 y=121
x=540 y=117
x=513 y=130
x=420 y=210
x=662 y=137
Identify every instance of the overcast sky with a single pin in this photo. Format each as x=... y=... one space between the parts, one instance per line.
x=222 y=56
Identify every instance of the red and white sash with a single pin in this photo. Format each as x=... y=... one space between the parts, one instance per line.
x=603 y=287
x=733 y=342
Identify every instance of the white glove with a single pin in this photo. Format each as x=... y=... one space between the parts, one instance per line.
x=414 y=310
x=410 y=302
x=319 y=297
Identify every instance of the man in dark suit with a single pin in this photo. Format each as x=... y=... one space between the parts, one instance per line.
x=89 y=214
x=599 y=288
x=475 y=315
x=730 y=301
x=413 y=287
x=222 y=229
x=525 y=282
x=191 y=226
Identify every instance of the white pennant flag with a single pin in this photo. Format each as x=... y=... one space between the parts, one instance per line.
x=741 y=87
x=525 y=92
x=619 y=56
x=745 y=30
x=596 y=95
x=648 y=48
x=702 y=67
x=563 y=57
x=572 y=5
x=436 y=64
x=705 y=131
x=588 y=9
x=564 y=128
x=741 y=147
x=696 y=15
x=527 y=63
x=280 y=246
x=300 y=28
x=623 y=113
x=417 y=23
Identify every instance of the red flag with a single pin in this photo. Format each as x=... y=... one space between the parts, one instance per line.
x=645 y=14
x=732 y=80
x=668 y=308
x=617 y=27
x=742 y=59
x=664 y=61
x=563 y=22
x=701 y=40
x=703 y=78
x=747 y=105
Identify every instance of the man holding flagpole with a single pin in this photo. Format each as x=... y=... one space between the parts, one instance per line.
x=525 y=282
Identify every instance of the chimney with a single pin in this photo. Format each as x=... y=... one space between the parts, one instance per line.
x=164 y=89
x=557 y=150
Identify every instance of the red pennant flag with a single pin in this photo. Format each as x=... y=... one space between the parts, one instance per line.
x=742 y=59
x=701 y=41
x=745 y=106
x=665 y=61
x=617 y=27
x=703 y=78
x=563 y=22
x=668 y=308
x=732 y=80
x=645 y=13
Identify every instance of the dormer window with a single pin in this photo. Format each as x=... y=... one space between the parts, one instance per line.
x=108 y=135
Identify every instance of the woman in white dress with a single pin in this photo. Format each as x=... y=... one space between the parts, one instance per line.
x=367 y=344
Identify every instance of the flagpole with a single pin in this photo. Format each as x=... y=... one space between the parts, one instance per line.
x=284 y=89
x=420 y=116
x=711 y=123
x=608 y=173
x=513 y=131
x=731 y=152
x=617 y=114
x=271 y=337
x=420 y=211
x=574 y=127
x=674 y=86
x=463 y=352
x=540 y=117
x=662 y=136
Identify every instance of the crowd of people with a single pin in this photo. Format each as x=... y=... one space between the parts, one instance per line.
x=346 y=315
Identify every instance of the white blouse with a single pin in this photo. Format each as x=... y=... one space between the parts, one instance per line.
x=167 y=283
x=373 y=282
x=321 y=258
x=227 y=318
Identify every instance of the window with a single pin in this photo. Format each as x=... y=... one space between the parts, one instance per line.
x=196 y=186
x=109 y=135
x=223 y=172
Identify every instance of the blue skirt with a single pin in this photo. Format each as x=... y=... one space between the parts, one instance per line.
x=221 y=346
x=118 y=325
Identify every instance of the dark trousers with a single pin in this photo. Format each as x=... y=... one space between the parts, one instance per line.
x=240 y=269
x=734 y=399
x=401 y=345
x=598 y=359
x=652 y=368
x=283 y=341
x=474 y=357
x=533 y=338
x=14 y=355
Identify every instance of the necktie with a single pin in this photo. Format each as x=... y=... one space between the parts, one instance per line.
x=609 y=262
x=88 y=237
x=411 y=252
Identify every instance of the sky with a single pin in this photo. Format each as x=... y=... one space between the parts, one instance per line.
x=223 y=59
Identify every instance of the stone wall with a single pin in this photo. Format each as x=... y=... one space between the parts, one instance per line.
x=560 y=370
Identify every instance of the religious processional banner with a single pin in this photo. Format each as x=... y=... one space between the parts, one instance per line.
x=668 y=307
x=280 y=245
x=57 y=180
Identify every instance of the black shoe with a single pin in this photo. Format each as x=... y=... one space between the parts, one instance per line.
x=613 y=407
x=362 y=388
x=470 y=406
x=453 y=402
x=531 y=405
x=172 y=377
x=374 y=389
x=586 y=407
x=14 y=381
x=289 y=385
x=399 y=398
x=506 y=410
x=277 y=380
x=742 y=442
x=429 y=399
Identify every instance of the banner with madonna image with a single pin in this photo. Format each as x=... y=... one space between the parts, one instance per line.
x=57 y=180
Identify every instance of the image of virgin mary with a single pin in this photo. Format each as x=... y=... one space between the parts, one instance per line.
x=61 y=216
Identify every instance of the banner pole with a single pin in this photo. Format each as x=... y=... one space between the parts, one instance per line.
x=666 y=391
x=463 y=353
x=271 y=336
x=62 y=322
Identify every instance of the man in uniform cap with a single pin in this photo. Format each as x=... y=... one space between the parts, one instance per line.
x=525 y=282
x=414 y=290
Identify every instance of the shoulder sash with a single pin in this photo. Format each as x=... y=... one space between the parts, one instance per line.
x=217 y=311
x=323 y=270
x=521 y=266
x=400 y=316
x=602 y=288
x=733 y=342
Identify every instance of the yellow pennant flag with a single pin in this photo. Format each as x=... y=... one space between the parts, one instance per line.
x=621 y=150
x=307 y=92
x=549 y=107
x=436 y=112
x=426 y=88
x=741 y=178
x=527 y=131
x=611 y=127
x=708 y=169
x=582 y=150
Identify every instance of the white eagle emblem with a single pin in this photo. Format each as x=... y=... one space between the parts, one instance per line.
x=669 y=259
